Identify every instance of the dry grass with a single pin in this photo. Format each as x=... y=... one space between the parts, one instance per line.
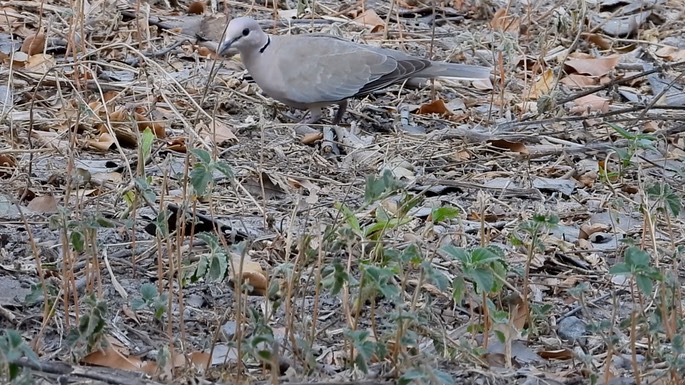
x=360 y=284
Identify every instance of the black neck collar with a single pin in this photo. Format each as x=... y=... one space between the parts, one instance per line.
x=268 y=41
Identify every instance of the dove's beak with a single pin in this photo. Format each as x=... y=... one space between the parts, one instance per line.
x=225 y=46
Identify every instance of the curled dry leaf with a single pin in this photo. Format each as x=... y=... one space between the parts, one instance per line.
x=580 y=81
x=252 y=275
x=598 y=40
x=115 y=356
x=46 y=204
x=156 y=127
x=33 y=44
x=40 y=63
x=7 y=165
x=671 y=53
x=177 y=144
x=207 y=53
x=435 y=107
x=102 y=143
x=511 y=146
x=543 y=85
x=588 y=179
x=592 y=65
x=587 y=229
x=503 y=22
x=590 y=103
x=312 y=137
x=370 y=19
x=196 y=8
x=216 y=132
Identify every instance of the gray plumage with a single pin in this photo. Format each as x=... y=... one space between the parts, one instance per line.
x=314 y=71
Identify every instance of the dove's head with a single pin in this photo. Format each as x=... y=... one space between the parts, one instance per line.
x=243 y=34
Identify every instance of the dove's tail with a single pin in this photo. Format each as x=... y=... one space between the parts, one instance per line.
x=454 y=70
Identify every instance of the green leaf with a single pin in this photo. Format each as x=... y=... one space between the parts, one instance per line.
x=483 y=279
x=211 y=240
x=435 y=276
x=148 y=291
x=458 y=289
x=77 y=240
x=443 y=213
x=218 y=266
x=443 y=377
x=376 y=229
x=620 y=269
x=411 y=376
x=374 y=188
x=381 y=214
x=500 y=336
x=200 y=178
x=202 y=155
x=411 y=254
x=224 y=168
x=105 y=222
x=635 y=257
x=350 y=218
x=146 y=145
x=621 y=131
x=137 y=304
x=202 y=266
x=483 y=256
x=645 y=284
x=673 y=203
x=457 y=253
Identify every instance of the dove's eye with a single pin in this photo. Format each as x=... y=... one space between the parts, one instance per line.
x=246 y=31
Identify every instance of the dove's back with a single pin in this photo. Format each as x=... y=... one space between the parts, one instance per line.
x=311 y=70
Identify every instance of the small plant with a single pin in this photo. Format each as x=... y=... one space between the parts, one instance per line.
x=364 y=349
x=202 y=174
x=151 y=299
x=485 y=267
x=90 y=333
x=424 y=374
x=13 y=348
x=637 y=142
x=37 y=294
x=637 y=266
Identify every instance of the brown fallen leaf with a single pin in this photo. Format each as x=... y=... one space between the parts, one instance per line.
x=511 y=146
x=33 y=44
x=592 y=65
x=503 y=22
x=561 y=354
x=543 y=85
x=7 y=165
x=435 y=107
x=102 y=143
x=311 y=138
x=590 y=103
x=588 y=229
x=252 y=274
x=46 y=204
x=370 y=19
x=216 y=132
x=177 y=144
x=115 y=356
x=196 y=8
x=580 y=81
x=40 y=63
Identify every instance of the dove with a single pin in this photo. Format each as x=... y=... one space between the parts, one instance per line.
x=314 y=71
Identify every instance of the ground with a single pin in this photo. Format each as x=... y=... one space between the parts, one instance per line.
x=525 y=229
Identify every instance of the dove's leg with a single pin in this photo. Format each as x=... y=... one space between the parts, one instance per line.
x=315 y=115
x=342 y=107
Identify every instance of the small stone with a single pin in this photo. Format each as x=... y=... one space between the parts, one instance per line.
x=571 y=328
